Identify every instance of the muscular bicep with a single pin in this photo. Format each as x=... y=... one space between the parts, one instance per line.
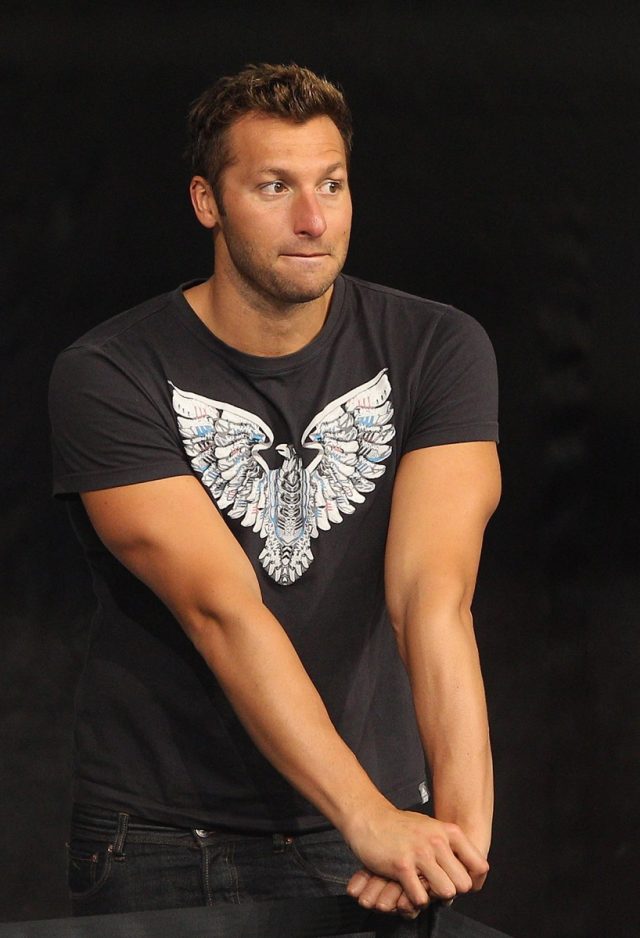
x=169 y=534
x=443 y=497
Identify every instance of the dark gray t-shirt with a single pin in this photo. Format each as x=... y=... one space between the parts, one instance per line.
x=299 y=453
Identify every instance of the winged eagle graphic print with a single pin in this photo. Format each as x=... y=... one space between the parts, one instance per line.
x=290 y=505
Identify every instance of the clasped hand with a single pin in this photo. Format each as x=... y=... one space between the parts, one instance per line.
x=410 y=859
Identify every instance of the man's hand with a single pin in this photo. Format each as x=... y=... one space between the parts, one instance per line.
x=411 y=854
x=380 y=893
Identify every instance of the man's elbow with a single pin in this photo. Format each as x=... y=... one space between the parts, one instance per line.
x=219 y=612
x=416 y=612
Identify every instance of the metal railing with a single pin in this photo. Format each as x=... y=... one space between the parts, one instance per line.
x=284 y=918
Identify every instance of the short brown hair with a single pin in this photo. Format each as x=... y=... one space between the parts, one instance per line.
x=287 y=91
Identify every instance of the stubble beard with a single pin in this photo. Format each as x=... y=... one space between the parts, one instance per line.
x=257 y=279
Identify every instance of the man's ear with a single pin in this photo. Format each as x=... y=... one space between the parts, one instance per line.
x=204 y=202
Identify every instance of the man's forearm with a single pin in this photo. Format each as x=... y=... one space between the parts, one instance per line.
x=272 y=694
x=463 y=794
x=442 y=660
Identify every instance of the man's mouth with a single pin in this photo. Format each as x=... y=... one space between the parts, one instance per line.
x=303 y=255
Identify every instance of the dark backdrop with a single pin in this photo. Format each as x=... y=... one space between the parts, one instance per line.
x=495 y=168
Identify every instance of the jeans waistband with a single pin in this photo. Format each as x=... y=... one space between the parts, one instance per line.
x=117 y=828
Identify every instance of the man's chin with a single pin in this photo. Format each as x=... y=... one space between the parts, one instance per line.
x=296 y=292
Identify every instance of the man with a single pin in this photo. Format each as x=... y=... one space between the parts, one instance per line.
x=284 y=475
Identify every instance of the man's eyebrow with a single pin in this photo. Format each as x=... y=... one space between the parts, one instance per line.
x=334 y=166
x=272 y=171
x=283 y=171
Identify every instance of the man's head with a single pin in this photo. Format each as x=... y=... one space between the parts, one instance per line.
x=270 y=150
x=288 y=92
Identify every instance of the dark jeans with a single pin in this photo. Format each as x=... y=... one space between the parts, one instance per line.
x=120 y=863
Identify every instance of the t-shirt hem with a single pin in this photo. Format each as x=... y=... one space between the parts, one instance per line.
x=479 y=432
x=102 y=796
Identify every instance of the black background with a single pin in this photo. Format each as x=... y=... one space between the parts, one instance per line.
x=495 y=168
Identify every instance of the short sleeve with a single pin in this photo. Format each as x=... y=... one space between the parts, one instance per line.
x=457 y=399
x=107 y=429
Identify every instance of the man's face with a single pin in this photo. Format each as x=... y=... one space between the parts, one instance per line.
x=287 y=209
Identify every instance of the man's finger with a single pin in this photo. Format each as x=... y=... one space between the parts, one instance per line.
x=454 y=870
x=358 y=882
x=386 y=894
x=440 y=885
x=477 y=882
x=369 y=896
x=387 y=900
x=469 y=855
x=414 y=888
x=405 y=908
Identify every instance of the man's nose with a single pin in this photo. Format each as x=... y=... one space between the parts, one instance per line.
x=308 y=217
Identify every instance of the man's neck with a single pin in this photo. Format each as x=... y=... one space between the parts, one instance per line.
x=257 y=328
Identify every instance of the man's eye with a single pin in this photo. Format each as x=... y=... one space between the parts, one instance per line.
x=274 y=187
x=332 y=186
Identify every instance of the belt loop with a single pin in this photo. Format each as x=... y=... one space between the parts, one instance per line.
x=117 y=848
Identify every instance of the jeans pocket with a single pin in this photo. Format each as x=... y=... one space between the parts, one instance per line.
x=88 y=868
x=330 y=861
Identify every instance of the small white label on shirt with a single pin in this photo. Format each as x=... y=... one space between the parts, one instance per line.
x=424 y=792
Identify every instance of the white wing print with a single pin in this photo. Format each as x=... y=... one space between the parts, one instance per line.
x=223 y=443
x=289 y=505
x=351 y=435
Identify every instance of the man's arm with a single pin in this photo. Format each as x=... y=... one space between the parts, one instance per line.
x=170 y=535
x=443 y=499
